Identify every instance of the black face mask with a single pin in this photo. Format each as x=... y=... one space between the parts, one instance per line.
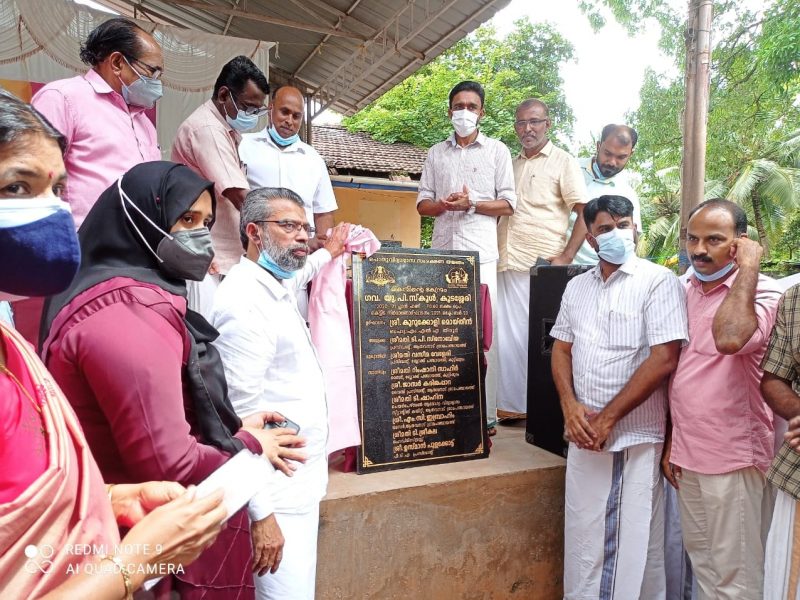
x=181 y=255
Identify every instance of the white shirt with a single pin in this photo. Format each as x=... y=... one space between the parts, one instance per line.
x=611 y=325
x=297 y=167
x=618 y=185
x=270 y=364
x=485 y=167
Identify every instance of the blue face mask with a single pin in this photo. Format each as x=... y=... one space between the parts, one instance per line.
x=39 y=234
x=616 y=246
x=273 y=133
x=265 y=260
x=243 y=121
x=715 y=276
x=597 y=172
x=144 y=92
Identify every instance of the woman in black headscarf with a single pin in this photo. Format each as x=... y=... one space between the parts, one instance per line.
x=139 y=368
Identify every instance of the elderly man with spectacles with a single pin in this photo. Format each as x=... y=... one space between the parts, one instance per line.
x=549 y=186
x=269 y=360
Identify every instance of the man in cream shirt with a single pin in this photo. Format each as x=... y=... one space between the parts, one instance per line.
x=549 y=185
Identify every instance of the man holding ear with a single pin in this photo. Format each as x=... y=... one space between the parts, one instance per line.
x=467 y=183
x=722 y=437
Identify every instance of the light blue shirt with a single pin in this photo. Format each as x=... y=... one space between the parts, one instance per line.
x=618 y=185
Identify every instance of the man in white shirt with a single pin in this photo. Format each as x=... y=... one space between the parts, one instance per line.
x=604 y=174
x=618 y=336
x=269 y=360
x=277 y=157
x=467 y=182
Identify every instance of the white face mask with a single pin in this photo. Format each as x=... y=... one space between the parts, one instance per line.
x=465 y=122
x=616 y=246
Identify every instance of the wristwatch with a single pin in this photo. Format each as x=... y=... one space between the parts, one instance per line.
x=473 y=204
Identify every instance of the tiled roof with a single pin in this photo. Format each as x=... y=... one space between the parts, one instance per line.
x=344 y=150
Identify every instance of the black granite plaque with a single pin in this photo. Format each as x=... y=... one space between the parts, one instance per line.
x=418 y=360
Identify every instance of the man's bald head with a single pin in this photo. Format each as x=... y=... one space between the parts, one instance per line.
x=286 y=110
x=287 y=90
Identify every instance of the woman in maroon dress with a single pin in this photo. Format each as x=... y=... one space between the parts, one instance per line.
x=139 y=368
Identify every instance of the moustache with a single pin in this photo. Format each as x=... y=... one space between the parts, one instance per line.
x=294 y=247
x=699 y=258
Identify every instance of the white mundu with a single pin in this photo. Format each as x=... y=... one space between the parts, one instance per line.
x=270 y=364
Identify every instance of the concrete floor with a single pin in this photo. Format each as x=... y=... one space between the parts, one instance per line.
x=472 y=530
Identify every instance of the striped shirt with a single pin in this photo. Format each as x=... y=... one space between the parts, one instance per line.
x=611 y=325
x=484 y=166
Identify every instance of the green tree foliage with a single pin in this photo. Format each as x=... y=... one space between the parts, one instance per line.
x=789 y=244
x=754 y=115
x=523 y=64
x=780 y=41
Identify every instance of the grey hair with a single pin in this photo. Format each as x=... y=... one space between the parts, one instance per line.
x=257 y=206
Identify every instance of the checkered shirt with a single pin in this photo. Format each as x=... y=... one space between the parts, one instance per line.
x=783 y=360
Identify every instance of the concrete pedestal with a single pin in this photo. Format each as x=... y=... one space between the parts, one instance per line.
x=474 y=530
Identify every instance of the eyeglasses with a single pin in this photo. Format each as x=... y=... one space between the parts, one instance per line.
x=258 y=111
x=154 y=72
x=523 y=124
x=292 y=226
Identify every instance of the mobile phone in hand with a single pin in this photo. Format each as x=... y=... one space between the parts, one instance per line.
x=285 y=424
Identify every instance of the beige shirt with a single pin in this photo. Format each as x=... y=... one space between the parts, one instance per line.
x=548 y=186
x=209 y=146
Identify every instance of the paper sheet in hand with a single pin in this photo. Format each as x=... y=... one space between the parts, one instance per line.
x=242 y=477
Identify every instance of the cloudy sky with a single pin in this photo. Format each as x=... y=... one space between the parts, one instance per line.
x=604 y=81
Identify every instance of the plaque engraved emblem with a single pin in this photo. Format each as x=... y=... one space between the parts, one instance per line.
x=457 y=277
x=380 y=275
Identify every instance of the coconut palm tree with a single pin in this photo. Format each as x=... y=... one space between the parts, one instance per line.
x=768 y=188
x=662 y=208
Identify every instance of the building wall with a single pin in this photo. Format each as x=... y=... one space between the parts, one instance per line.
x=390 y=214
x=489 y=529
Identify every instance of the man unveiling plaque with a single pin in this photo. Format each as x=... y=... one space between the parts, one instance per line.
x=417 y=347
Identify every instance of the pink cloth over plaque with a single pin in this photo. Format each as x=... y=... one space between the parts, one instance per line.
x=66 y=505
x=330 y=331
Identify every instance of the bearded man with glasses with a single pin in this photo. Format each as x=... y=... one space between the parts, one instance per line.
x=269 y=360
x=276 y=157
